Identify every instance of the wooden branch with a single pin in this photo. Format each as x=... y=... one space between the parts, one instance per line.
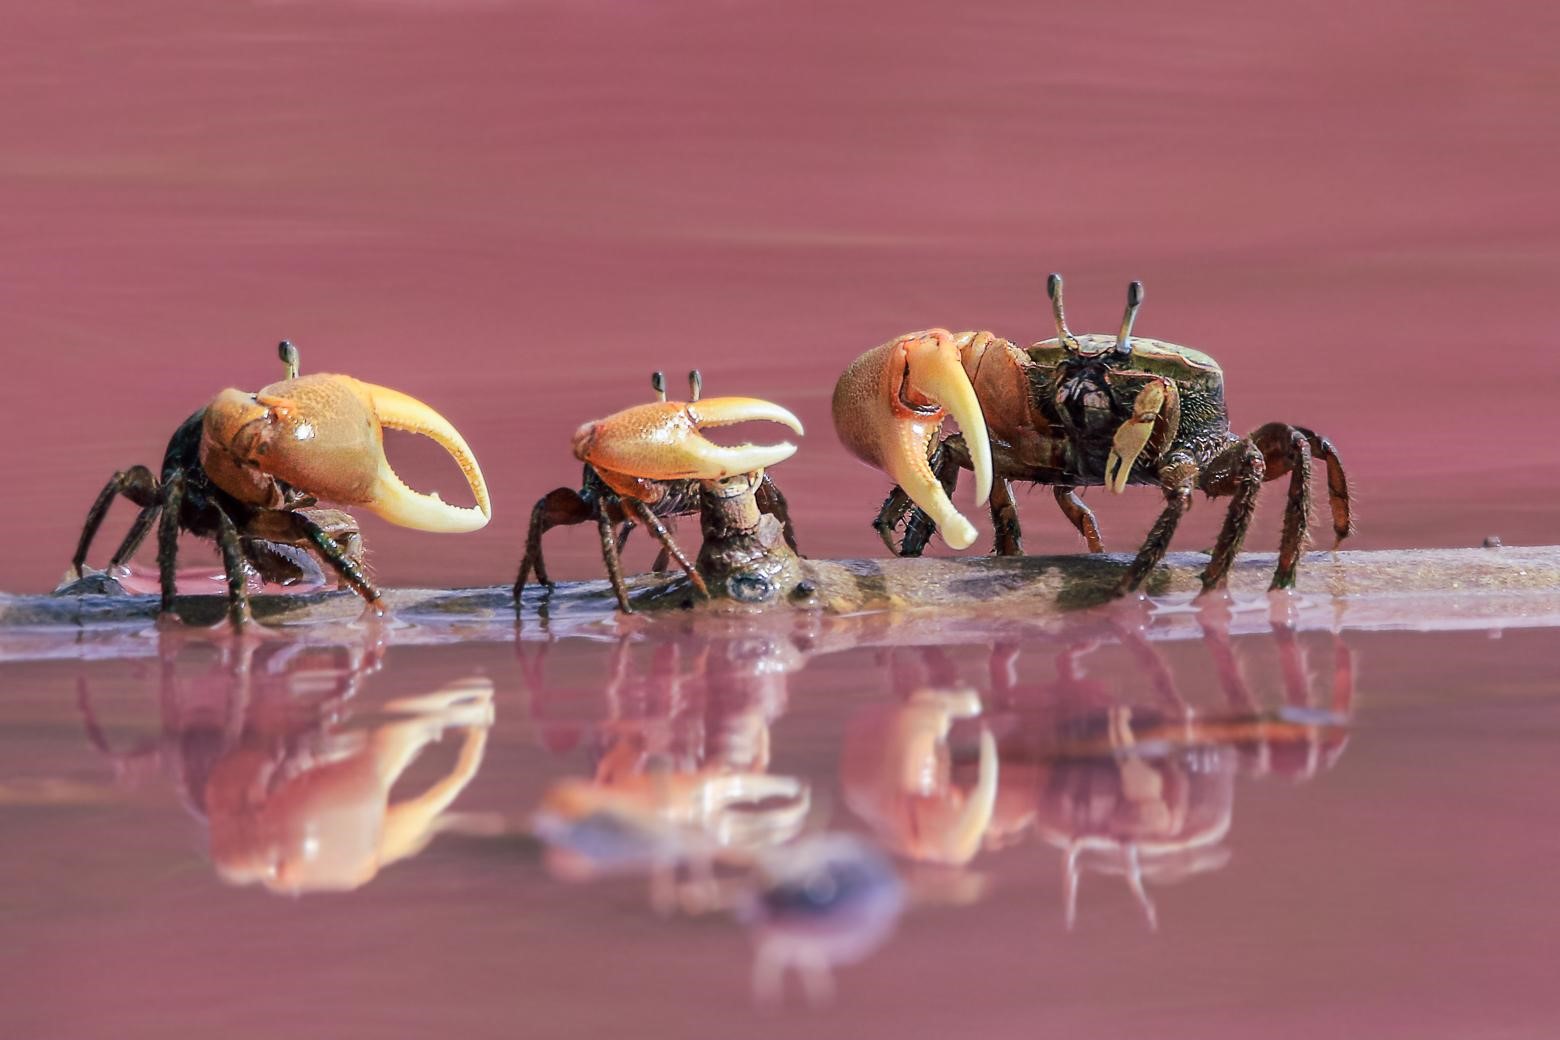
x=918 y=600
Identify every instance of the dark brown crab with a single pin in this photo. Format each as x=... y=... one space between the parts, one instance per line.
x=247 y=471
x=650 y=462
x=1074 y=411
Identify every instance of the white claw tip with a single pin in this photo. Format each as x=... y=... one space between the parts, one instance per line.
x=959 y=533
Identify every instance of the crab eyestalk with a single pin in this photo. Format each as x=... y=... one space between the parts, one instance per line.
x=323 y=434
x=289 y=355
x=888 y=407
x=1123 y=349
x=1064 y=336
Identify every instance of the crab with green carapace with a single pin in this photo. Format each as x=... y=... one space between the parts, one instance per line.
x=1073 y=411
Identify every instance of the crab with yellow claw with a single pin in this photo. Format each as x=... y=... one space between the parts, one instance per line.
x=249 y=469
x=651 y=462
x=1074 y=411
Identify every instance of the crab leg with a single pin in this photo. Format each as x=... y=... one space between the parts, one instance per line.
x=668 y=545
x=139 y=486
x=609 y=555
x=888 y=407
x=1239 y=473
x=171 y=495
x=233 y=568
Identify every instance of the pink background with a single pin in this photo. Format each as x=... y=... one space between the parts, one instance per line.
x=516 y=210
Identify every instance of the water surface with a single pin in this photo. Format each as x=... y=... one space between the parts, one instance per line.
x=516 y=211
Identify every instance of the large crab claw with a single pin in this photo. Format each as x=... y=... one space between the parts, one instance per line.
x=889 y=405
x=324 y=435
x=1133 y=435
x=663 y=441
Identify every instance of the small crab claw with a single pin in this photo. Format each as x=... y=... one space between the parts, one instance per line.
x=889 y=405
x=323 y=434
x=663 y=440
x=1133 y=435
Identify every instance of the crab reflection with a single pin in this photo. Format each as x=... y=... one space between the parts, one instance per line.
x=822 y=901
x=680 y=754
x=1136 y=786
x=260 y=747
x=679 y=742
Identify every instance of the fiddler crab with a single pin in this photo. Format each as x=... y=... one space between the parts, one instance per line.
x=651 y=462
x=248 y=470
x=1073 y=411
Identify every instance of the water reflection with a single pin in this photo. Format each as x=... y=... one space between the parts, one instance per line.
x=668 y=759
x=680 y=781
x=825 y=900
x=680 y=777
x=295 y=795
x=1123 y=773
x=1136 y=782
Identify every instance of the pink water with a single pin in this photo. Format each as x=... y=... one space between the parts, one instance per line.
x=517 y=210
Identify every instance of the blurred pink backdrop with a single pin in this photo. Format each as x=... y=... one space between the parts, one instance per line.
x=516 y=210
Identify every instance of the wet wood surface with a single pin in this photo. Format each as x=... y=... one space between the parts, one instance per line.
x=914 y=600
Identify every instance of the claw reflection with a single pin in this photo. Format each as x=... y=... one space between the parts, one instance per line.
x=259 y=749
x=1124 y=785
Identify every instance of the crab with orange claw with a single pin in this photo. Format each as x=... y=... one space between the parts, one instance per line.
x=249 y=469
x=1074 y=411
x=652 y=462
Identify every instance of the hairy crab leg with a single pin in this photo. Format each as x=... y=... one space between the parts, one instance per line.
x=172 y=494
x=1004 y=519
x=659 y=530
x=771 y=501
x=1285 y=448
x=559 y=507
x=349 y=569
x=233 y=567
x=1080 y=515
x=1337 y=484
x=1178 y=476
x=895 y=506
x=609 y=555
x=1238 y=472
x=137 y=484
x=135 y=536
